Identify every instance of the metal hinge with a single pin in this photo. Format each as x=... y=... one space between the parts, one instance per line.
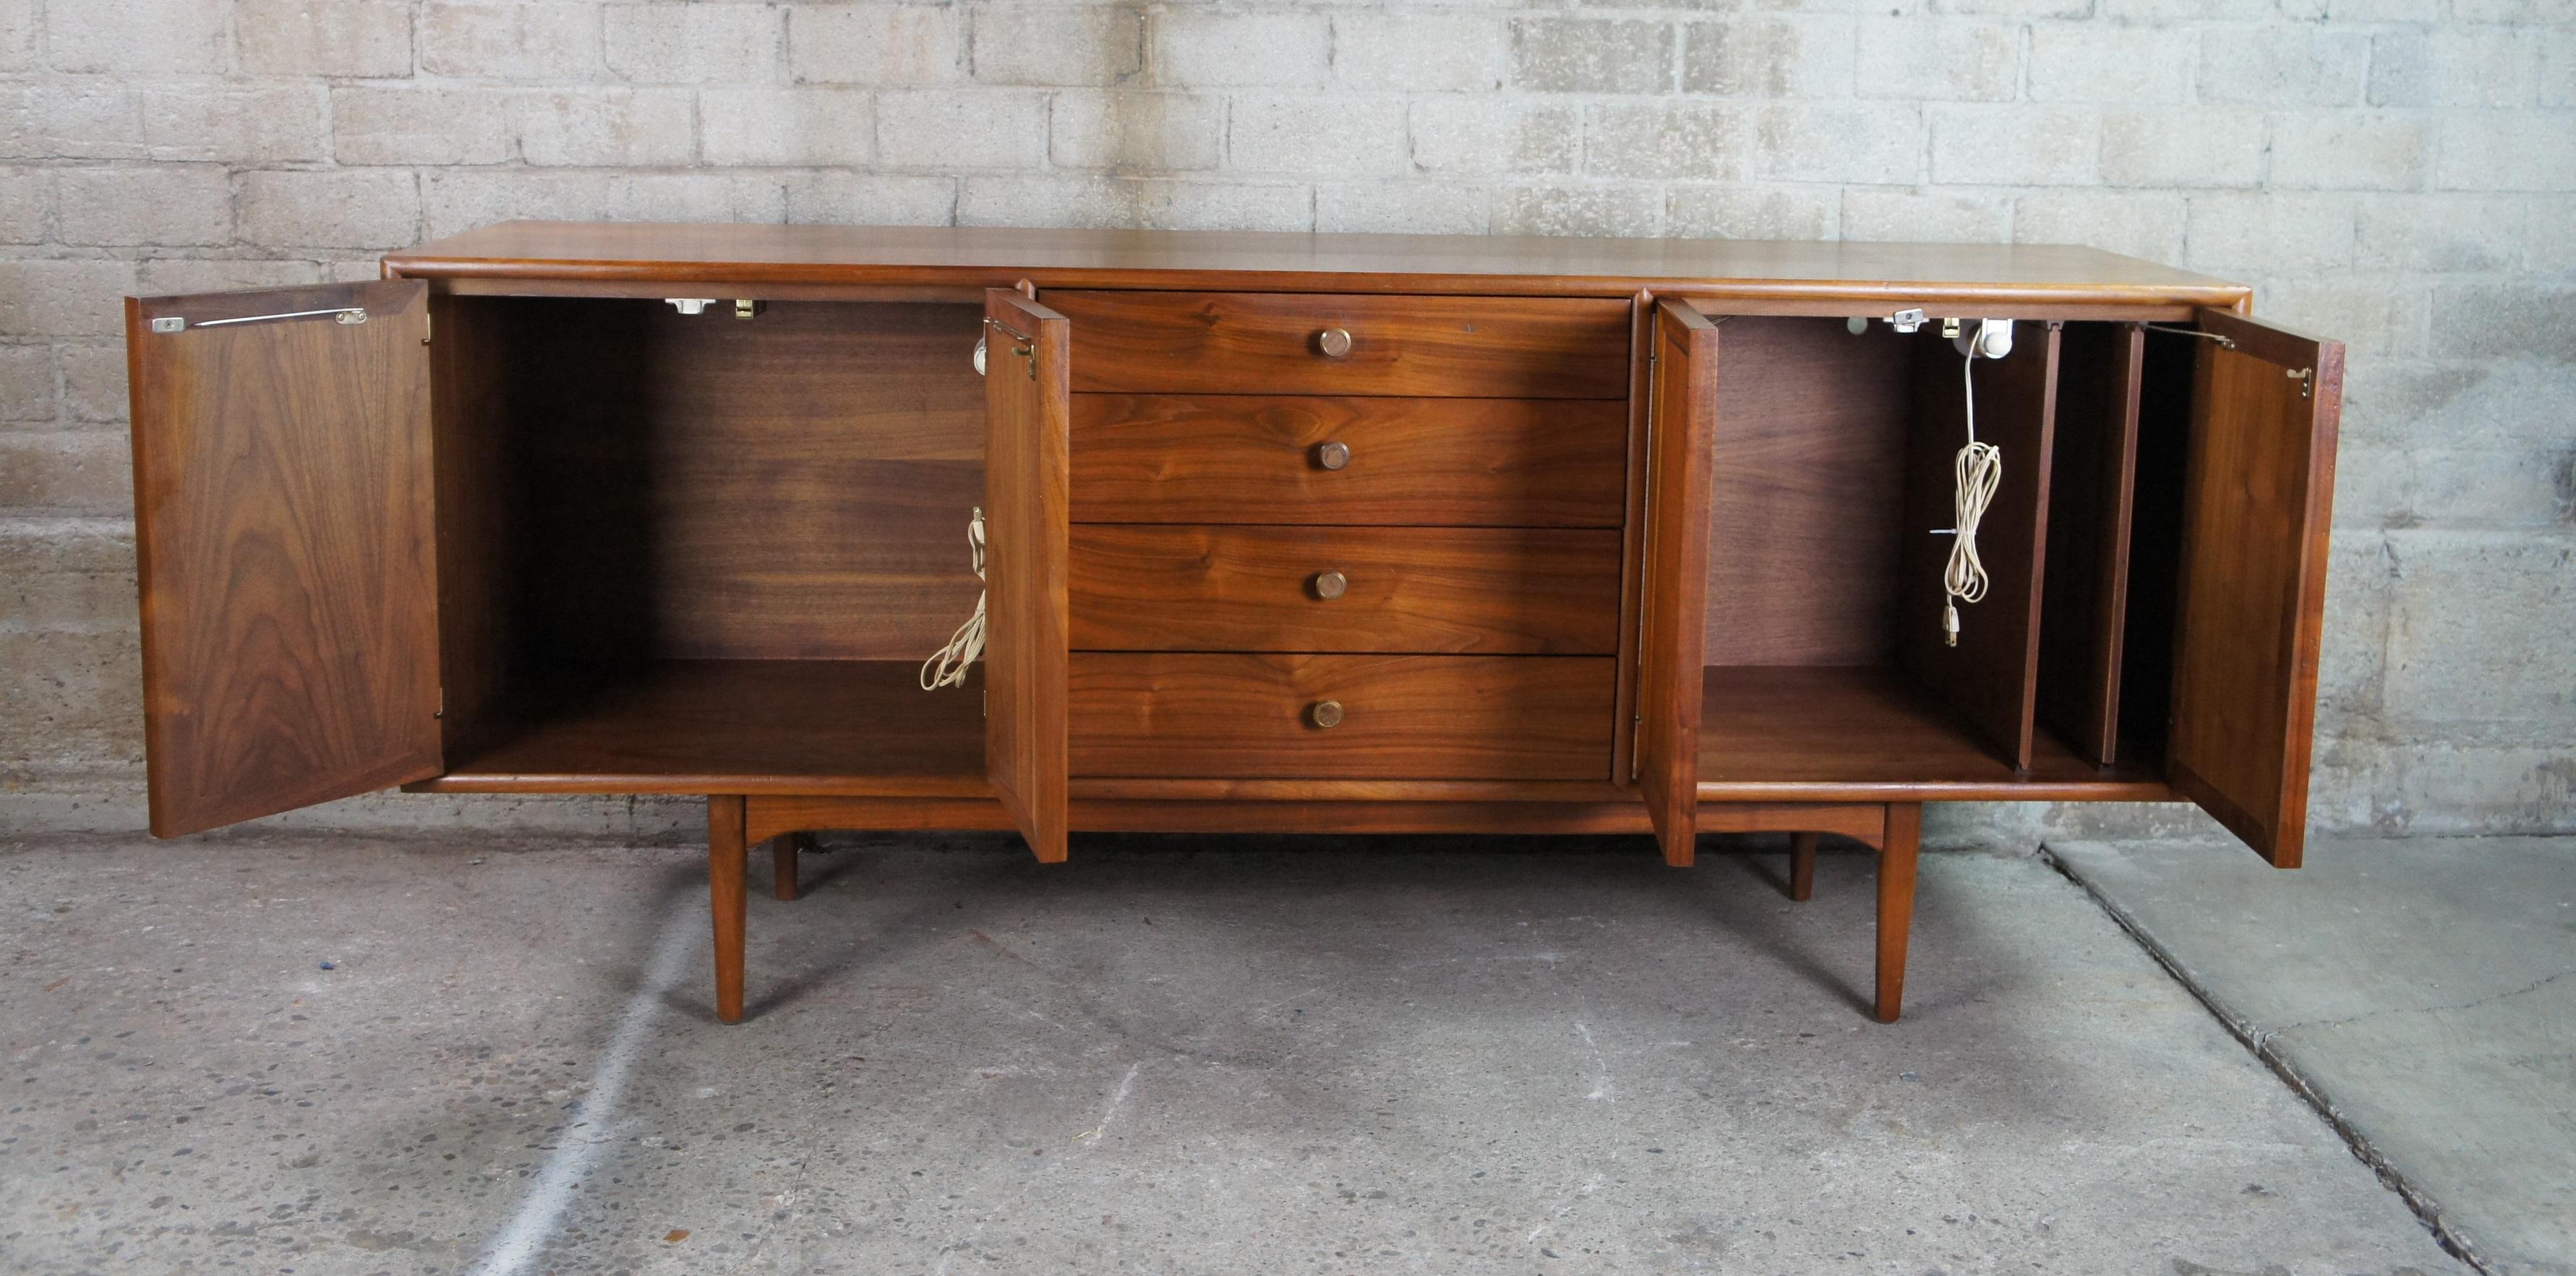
x=442 y=704
x=2224 y=342
x=2307 y=379
x=1022 y=345
x=339 y=314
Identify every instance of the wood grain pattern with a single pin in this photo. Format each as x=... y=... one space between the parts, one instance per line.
x=1422 y=717
x=480 y=621
x=1989 y=678
x=783 y=851
x=792 y=487
x=1896 y=859
x=285 y=546
x=1673 y=627
x=1482 y=590
x=728 y=898
x=702 y=726
x=1141 y=458
x=1026 y=534
x=1862 y=822
x=770 y=816
x=1266 y=343
x=2084 y=610
x=863 y=729
x=1632 y=547
x=2034 y=281
x=1803 y=530
x=2256 y=508
x=1868 y=734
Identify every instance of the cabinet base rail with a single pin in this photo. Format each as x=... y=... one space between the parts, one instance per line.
x=1894 y=830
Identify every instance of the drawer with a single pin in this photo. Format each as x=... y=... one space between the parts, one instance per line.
x=1399 y=717
x=1284 y=343
x=1487 y=590
x=1225 y=458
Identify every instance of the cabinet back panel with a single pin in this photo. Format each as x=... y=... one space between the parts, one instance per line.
x=1811 y=430
x=794 y=486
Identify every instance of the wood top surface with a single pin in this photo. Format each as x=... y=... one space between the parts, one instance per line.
x=1290 y=261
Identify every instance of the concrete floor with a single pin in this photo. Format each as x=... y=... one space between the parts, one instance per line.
x=344 y=1056
x=2420 y=989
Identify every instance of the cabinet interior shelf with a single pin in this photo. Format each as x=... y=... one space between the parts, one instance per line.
x=846 y=727
x=866 y=728
x=1847 y=731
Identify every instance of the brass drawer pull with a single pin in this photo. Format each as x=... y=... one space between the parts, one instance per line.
x=1325 y=713
x=1333 y=455
x=1334 y=342
x=1330 y=585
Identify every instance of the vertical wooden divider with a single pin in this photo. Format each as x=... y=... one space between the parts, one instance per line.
x=2092 y=492
x=1988 y=680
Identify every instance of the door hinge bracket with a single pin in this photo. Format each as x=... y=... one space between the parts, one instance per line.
x=1024 y=346
x=2307 y=379
x=441 y=711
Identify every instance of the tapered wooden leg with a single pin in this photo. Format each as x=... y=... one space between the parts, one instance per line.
x=782 y=859
x=727 y=858
x=1896 y=904
x=1802 y=866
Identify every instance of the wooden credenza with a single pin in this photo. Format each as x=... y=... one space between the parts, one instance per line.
x=1283 y=533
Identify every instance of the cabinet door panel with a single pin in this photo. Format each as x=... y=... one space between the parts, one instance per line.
x=2257 y=494
x=284 y=540
x=1681 y=420
x=1027 y=532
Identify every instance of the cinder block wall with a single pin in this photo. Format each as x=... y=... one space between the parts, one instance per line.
x=2400 y=173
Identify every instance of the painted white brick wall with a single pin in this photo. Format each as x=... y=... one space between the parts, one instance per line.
x=2400 y=173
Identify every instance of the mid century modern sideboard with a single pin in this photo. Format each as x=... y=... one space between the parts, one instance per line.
x=1284 y=532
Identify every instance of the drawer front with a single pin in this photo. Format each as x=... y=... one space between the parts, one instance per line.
x=1393 y=717
x=1487 y=590
x=1144 y=458
x=1286 y=343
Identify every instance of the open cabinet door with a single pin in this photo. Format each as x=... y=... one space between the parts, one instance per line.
x=284 y=539
x=1027 y=533
x=1681 y=418
x=2257 y=491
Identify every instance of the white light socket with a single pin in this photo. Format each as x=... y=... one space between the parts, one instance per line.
x=1992 y=339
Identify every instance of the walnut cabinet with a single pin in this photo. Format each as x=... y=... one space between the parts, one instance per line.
x=1281 y=532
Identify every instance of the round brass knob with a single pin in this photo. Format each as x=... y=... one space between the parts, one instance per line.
x=1325 y=713
x=1330 y=585
x=1334 y=342
x=1333 y=455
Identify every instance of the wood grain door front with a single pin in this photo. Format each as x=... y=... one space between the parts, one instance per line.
x=1672 y=631
x=1349 y=344
x=1026 y=526
x=1481 y=590
x=2257 y=497
x=284 y=538
x=1305 y=717
x=1327 y=459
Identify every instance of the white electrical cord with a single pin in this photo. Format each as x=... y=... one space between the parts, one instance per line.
x=1977 y=471
x=948 y=668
